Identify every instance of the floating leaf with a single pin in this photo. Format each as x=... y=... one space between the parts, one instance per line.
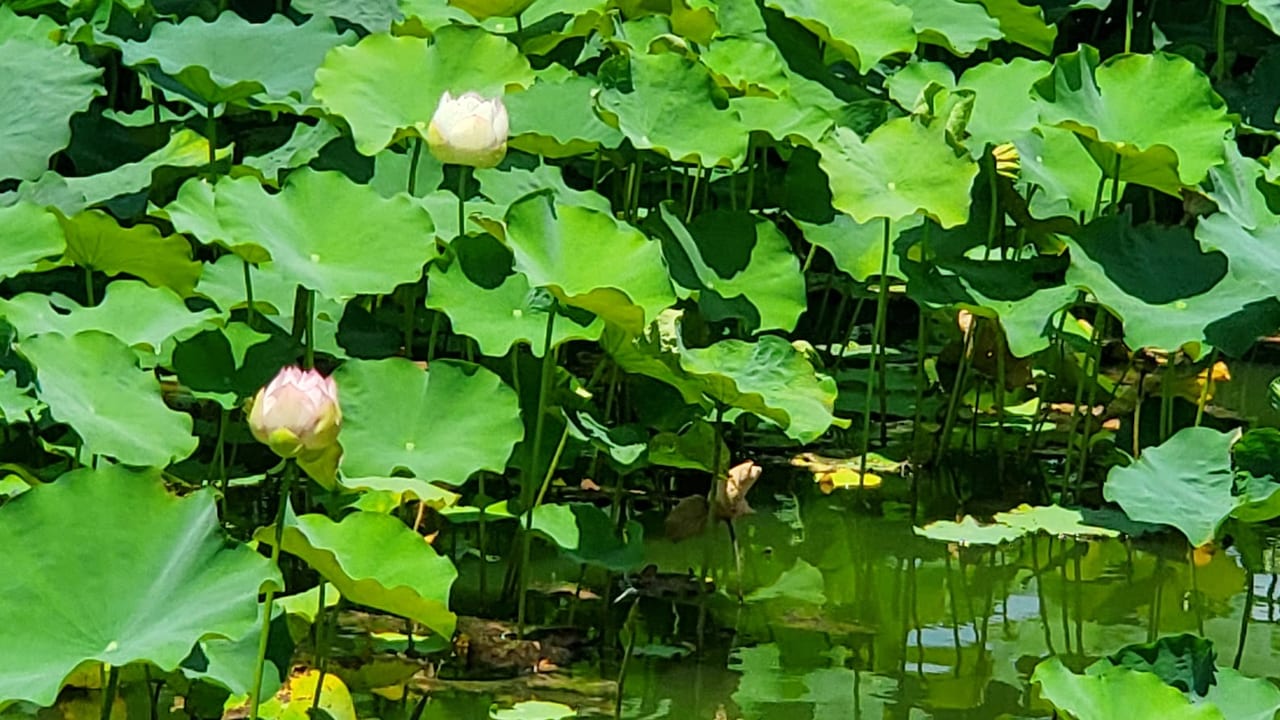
x=91 y=381
x=388 y=87
x=801 y=583
x=903 y=167
x=533 y=710
x=590 y=260
x=328 y=233
x=770 y=378
x=376 y=560
x=441 y=425
x=297 y=700
x=209 y=61
x=668 y=104
x=144 y=575
x=1052 y=519
x=969 y=532
x=1185 y=482
x=41 y=87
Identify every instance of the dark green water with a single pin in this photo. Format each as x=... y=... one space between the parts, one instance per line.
x=849 y=614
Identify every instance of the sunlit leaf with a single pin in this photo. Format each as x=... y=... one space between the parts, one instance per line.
x=96 y=241
x=864 y=31
x=31 y=234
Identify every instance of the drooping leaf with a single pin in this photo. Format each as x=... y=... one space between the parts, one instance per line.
x=864 y=31
x=1022 y=24
x=91 y=381
x=376 y=560
x=1184 y=661
x=41 y=87
x=902 y=168
x=442 y=425
x=1185 y=482
x=590 y=260
x=124 y=571
x=328 y=233
x=767 y=377
x=96 y=241
x=961 y=27
x=387 y=87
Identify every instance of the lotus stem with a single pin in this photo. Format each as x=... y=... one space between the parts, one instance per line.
x=255 y=690
x=109 y=692
x=1244 y=619
x=309 y=356
x=1128 y=26
x=464 y=173
x=539 y=428
x=484 y=543
x=250 y=311
x=527 y=537
x=414 y=157
x=953 y=403
x=321 y=641
x=877 y=354
x=89 y=295
x=1207 y=389
x=211 y=133
x=1220 y=42
x=629 y=623
x=998 y=397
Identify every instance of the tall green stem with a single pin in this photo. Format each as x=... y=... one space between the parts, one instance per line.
x=535 y=466
x=255 y=690
x=89 y=294
x=464 y=174
x=1128 y=26
x=109 y=692
x=414 y=157
x=250 y=311
x=527 y=536
x=309 y=357
x=1220 y=42
x=321 y=641
x=211 y=131
x=877 y=351
x=1207 y=388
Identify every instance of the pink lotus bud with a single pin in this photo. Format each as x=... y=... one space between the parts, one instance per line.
x=297 y=413
x=469 y=130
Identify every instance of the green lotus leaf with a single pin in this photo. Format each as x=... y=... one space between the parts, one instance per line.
x=961 y=27
x=907 y=86
x=41 y=87
x=373 y=15
x=442 y=425
x=1003 y=107
x=653 y=353
x=670 y=104
x=769 y=378
x=500 y=317
x=152 y=574
x=391 y=177
x=1266 y=12
x=588 y=536
x=97 y=242
x=534 y=710
x=1119 y=692
x=1051 y=519
x=1185 y=482
x=1157 y=114
x=730 y=254
x=1056 y=161
x=31 y=234
x=1026 y=320
x=302 y=147
x=1184 y=661
x=1243 y=698
x=404 y=489
x=329 y=234
x=752 y=63
x=41 y=28
x=589 y=259
x=375 y=560
x=137 y=314
x=91 y=381
x=903 y=167
x=16 y=402
x=388 y=87
x=801 y=583
x=856 y=248
x=506 y=187
x=784 y=118
x=194 y=212
x=558 y=118
x=969 y=532
x=864 y=31
x=1022 y=24
x=70 y=195
x=209 y=61
x=1236 y=188
x=230 y=363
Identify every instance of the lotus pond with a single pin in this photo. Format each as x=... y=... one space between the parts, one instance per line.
x=531 y=359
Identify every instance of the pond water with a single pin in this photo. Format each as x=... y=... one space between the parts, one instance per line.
x=848 y=613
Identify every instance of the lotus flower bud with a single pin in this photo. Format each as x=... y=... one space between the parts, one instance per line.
x=469 y=130
x=297 y=413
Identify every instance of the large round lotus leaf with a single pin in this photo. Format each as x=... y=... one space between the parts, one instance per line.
x=901 y=168
x=767 y=377
x=864 y=31
x=1158 y=112
x=1022 y=24
x=96 y=241
x=590 y=260
x=1003 y=108
x=734 y=254
x=1243 y=698
x=105 y=565
x=92 y=382
x=669 y=103
x=376 y=560
x=209 y=59
x=1158 y=280
x=558 y=118
x=961 y=27
x=969 y=531
x=70 y=195
x=328 y=233
x=41 y=87
x=388 y=87
x=375 y=16
x=1185 y=482
x=441 y=425
x=502 y=316
x=1119 y=692
x=137 y=314
x=31 y=233
x=40 y=28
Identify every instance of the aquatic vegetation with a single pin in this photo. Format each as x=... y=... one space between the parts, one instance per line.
x=538 y=356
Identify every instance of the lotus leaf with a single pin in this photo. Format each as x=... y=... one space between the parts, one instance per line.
x=864 y=31
x=558 y=118
x=41 y=87
x=1022 y=24
x=961 y=27
x=969 y=532
x=31 y=234
x=440 y=425
x=1053 y=520
x=92 y=382
x=97 y=242
x=1185 y=482
x=533 y=710
x=1117 y=693
x=153 y=574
